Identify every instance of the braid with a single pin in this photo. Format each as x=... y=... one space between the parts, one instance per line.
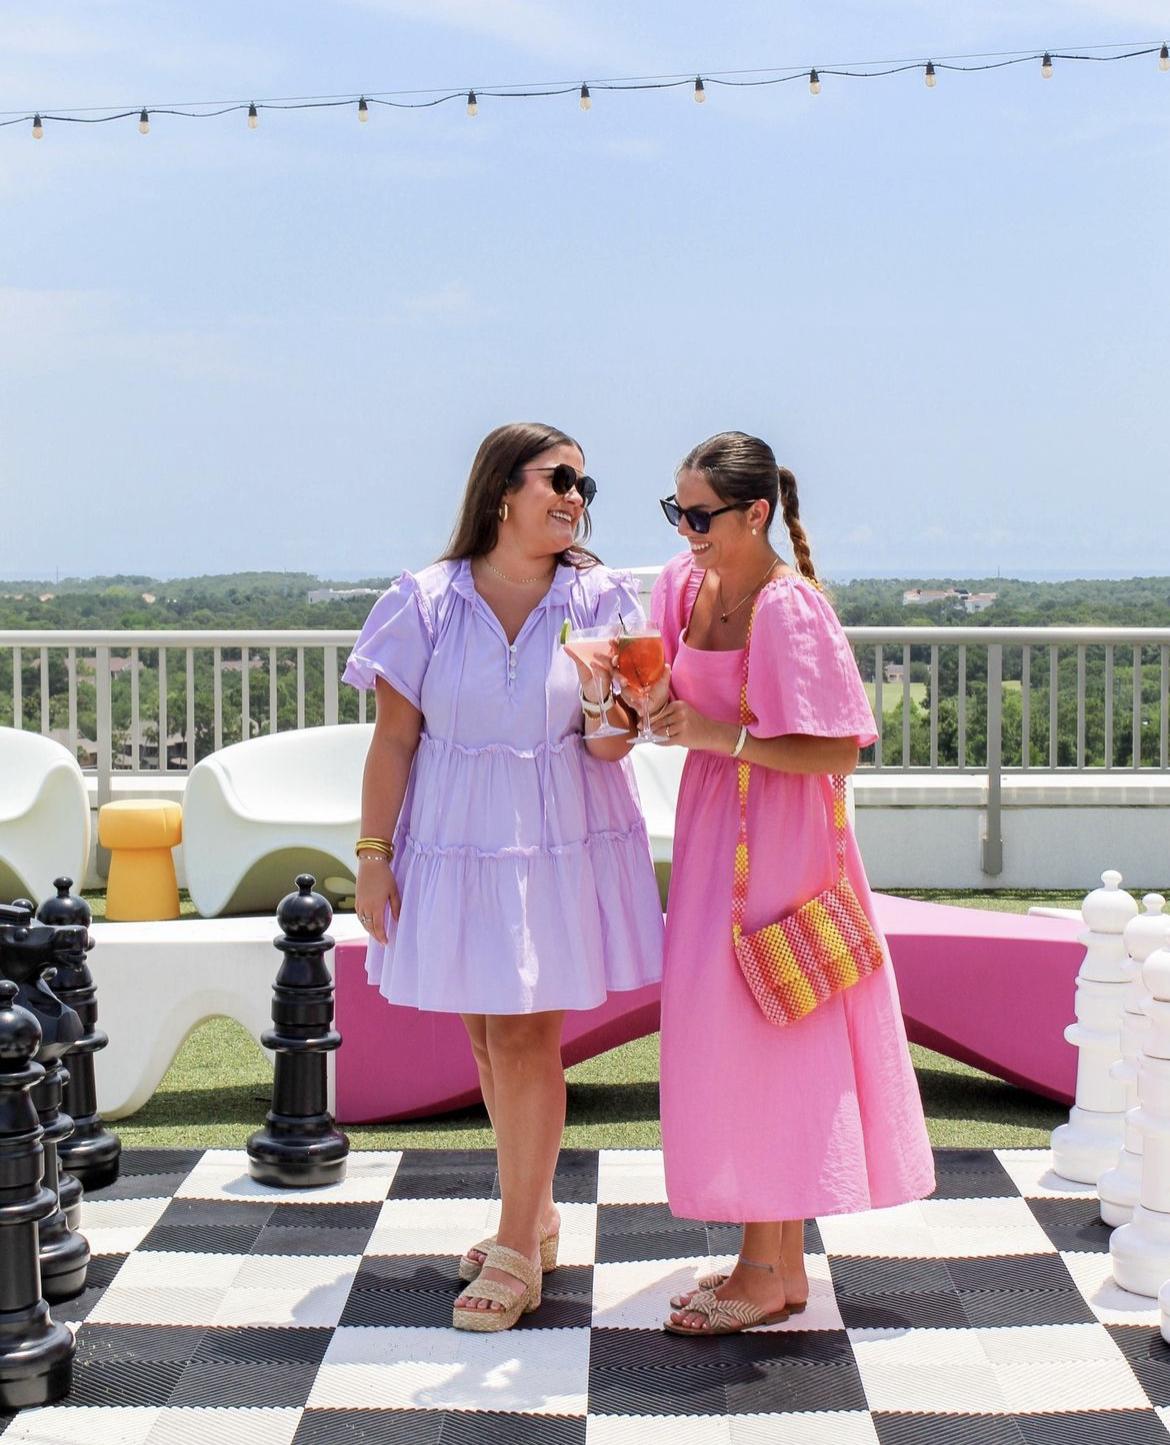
x=790 y=509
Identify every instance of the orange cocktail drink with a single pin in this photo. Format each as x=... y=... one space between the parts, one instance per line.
x=641 y=661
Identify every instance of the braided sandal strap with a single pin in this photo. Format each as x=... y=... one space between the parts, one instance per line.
x=722 y=1312
x=511 y=1261
x=493 y=1290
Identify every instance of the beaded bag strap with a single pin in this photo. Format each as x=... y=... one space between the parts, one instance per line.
x=739 y=887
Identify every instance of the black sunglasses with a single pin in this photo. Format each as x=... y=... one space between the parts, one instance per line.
x=563 y=479
x=698 y=518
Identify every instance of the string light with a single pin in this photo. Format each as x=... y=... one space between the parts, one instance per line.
x=761 y=76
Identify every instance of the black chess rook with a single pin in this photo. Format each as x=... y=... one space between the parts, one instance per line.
x=36 y=1353
x=300 y=1146
x=92 y=1152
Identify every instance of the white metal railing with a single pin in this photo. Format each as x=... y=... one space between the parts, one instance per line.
x=985 y=700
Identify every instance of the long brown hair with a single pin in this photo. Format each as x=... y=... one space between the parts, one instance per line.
x=494 y=473
x=742 y=468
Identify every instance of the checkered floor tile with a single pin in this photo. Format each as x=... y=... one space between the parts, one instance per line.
x=220 y=1311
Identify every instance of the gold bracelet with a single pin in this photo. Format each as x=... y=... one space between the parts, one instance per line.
x=374 y=845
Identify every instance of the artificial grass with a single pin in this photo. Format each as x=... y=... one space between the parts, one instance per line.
x=217 y=1089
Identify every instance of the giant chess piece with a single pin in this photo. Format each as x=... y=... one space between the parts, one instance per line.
x=1141 y=1249
x=1118 y=1188
x=92 y=1153
x=36 y=1354
x=27 y=952
x=1091 y=1141
x=299 y=1146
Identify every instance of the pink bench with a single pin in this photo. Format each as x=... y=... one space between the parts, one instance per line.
x=990 y=989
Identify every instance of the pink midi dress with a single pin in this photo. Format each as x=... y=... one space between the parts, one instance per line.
x=523 y=861
x=760 y=1122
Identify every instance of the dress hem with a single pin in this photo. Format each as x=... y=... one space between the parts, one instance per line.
x=771 y=1211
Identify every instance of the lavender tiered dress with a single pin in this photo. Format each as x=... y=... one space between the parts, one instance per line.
x=523 y=861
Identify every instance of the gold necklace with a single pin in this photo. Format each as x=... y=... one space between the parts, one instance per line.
x=723 y=616
x=516 y=581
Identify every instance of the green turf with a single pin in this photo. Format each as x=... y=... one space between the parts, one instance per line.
x=216 y=1090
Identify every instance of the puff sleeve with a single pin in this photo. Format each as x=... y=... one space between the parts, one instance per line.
x=802 y=677
x=618 y=601
x=666 y=602
x=396 y=642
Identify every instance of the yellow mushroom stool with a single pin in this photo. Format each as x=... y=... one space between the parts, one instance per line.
x=140 y=834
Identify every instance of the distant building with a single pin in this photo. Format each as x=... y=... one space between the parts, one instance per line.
x=969 y=601
x=330 y=594
x=149 y=597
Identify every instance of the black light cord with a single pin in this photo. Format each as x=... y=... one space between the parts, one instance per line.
x=776 y=75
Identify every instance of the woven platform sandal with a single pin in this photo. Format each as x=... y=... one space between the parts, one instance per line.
x=724 y=1316
x=549 y=1246
x=485 y=1322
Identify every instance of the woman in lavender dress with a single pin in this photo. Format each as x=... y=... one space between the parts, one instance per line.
x=521 y=882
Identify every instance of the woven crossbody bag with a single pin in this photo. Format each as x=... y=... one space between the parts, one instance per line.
x=826 y=945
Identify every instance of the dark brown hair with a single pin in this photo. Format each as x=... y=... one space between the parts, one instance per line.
x=742 y=468
x=495 y=473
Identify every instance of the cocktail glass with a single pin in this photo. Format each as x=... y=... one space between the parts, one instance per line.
x=641 y=661
x=592 y=646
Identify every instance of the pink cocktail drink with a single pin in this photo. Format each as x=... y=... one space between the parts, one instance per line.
x=592 y=647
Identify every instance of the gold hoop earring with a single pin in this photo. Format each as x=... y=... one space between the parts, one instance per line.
x=503 y=512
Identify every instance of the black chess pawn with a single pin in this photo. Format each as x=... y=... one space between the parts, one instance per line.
x=300 y=1146
x=28 y=950
x=36 y=1353
x=92 y=1154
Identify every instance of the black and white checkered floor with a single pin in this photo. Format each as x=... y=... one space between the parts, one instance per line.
x=220 y=1311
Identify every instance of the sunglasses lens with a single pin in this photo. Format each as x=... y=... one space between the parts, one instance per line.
x=588 y=489
x=699 y=521
x=672 y=511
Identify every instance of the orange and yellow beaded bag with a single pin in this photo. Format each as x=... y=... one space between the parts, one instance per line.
x=826 y=945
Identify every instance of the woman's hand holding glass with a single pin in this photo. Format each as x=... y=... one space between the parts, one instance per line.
x=376 y=886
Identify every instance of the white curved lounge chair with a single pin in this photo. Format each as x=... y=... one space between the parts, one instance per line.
x=44 y=815
x=259 y=812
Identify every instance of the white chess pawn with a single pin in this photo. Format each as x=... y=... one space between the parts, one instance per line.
x=1090 y=1143
x=1118 y=1188
x=1141 y=1249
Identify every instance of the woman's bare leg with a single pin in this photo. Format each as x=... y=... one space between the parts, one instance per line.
x=523 y=1054
x=775 y=1276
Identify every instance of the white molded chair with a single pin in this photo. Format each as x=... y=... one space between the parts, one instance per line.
x=257 y=813
x=44 y=816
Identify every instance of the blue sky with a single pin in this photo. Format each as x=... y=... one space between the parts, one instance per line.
x=947 y=309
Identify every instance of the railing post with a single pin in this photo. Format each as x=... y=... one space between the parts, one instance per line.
x=992 y=860
x=105 y=742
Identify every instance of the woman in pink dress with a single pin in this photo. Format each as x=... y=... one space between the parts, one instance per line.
x=765 y=1125
x=505 y=872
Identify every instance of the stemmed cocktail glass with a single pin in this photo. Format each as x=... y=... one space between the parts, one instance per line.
x=591 y=646
x=641 y=661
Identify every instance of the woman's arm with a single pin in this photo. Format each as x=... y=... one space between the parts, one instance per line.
x=397 y=726
x=792 y=753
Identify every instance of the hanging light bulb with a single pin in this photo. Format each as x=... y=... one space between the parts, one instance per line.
x=814 y=83
x=700 y=93
x=586 y=103
x=38 y=128
x=931 y=78
x=1046 y=66
x=144 y=123
x=1164 y=57
x=363 y=110
x=253 y=116
x=472 y=103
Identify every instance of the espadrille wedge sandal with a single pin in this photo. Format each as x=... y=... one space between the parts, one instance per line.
x=549 y=1246
x=485 y=1322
